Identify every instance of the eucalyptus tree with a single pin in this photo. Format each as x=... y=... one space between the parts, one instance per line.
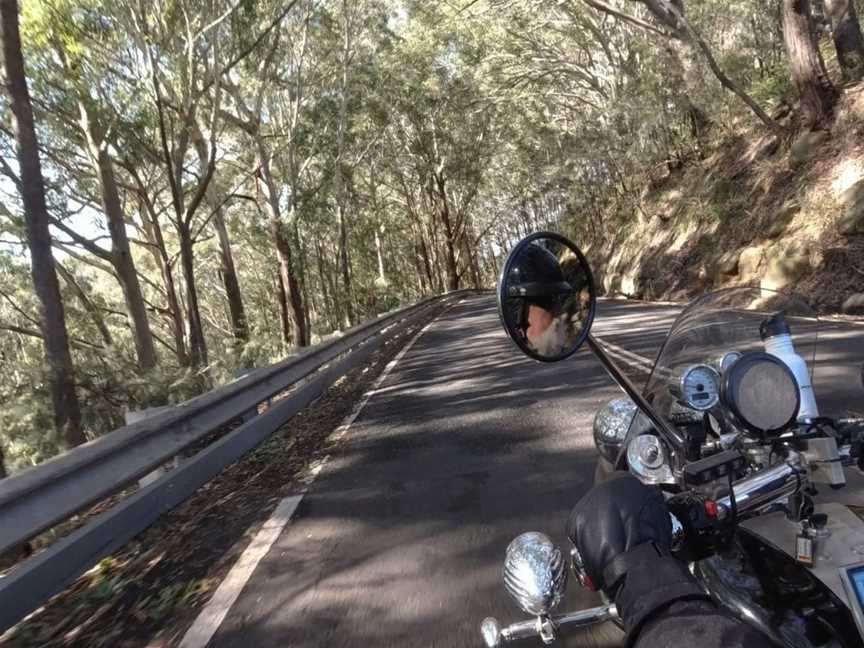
x=77 y=102
x=31 y=185
x=816 y=91
x=848 y=41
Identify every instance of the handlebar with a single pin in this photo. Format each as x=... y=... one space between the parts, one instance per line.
x=544 y=627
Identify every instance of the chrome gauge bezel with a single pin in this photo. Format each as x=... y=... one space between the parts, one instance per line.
x=706 y=405
x=725 y=362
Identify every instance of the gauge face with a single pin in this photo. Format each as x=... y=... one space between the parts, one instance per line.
x=700 y=387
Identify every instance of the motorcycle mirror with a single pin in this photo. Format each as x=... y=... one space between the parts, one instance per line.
x=546 y=296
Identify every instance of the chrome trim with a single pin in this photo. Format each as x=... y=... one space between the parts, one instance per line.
x=764 y=488
x=495 y=636
x=700 y=407
x=647 y=460
x=611 y=423
x=535 y=573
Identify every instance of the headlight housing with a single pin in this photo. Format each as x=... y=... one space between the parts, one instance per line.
x=611 y=423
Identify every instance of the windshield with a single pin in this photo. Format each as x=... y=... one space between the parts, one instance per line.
x=714 y=329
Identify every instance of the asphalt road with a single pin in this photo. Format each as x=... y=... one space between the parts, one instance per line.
x=400 y=539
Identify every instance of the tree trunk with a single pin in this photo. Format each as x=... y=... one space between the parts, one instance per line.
x=450 y=242
x=197 y=344
x=239 y=323
x=154 y=233
x=52 y=320
x=338 y=175
x=228 y=271
x=283 y=310
x=382 y=278
x=290 y=283
x=291 y=286
x=848 y=40
x=818 y=95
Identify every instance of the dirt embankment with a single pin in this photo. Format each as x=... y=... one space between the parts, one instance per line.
x=752 y=211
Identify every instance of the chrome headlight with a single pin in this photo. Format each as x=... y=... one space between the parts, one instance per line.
x=647 y=460
x=611 y=423
x=535 y=573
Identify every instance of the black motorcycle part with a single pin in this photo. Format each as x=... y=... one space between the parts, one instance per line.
x=714 y=467
x=790 y=587
x=762 y=394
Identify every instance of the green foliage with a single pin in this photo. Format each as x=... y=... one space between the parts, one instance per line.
x=433 y=135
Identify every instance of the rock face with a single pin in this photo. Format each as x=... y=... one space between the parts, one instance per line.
x=749 y=262
x=854 y=305
x=852 y=219
x=804 y=148
x=728 y=264
x=785 y=269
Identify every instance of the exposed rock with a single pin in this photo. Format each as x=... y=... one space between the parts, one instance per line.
x=777 y=228
x=854 y=305
x=786 y=269
x=804 y=148
x=749 y=262
x=852 y=219
x=728 y=264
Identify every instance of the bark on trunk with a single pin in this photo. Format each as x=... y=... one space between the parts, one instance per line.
x=338 y=176
x=291 y=286
x=67 y=412
x=228 y=271
x=290 y=283
x=848 y=40
x=450 y=242
x=237 y=311
x=121 y=254
x=818 y=95
x=175 y=313
x=284 y=317
x=197 y=344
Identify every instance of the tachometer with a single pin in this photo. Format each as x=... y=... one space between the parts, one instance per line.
x=700 y=387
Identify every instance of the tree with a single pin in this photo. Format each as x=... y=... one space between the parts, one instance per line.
x=67 y=412
x=848 y=40
x=817 y=94
x=669 y=14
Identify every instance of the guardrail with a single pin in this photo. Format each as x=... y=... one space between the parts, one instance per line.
x=40 y=498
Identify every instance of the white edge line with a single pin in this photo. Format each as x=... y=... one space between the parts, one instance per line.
x=217 y=608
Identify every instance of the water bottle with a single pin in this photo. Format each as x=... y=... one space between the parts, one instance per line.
x=778 y=342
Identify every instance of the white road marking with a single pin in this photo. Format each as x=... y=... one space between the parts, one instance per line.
x=217 y=608
x=214 y=612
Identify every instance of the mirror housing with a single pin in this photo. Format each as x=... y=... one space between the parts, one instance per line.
x=546 y=296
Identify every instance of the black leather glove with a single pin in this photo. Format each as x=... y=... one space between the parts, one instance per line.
x=623 y=532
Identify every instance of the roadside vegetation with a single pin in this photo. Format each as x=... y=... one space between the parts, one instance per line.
x=188 y=188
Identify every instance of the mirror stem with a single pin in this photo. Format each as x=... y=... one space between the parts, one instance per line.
x=669 y=432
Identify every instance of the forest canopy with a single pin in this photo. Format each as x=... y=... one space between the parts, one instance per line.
x=224 y=181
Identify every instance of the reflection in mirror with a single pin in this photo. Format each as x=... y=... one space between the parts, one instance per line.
x=546 y=296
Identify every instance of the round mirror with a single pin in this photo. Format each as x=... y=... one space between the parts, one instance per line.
x=546 y=296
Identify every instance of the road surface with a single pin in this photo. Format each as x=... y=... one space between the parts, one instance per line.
x=466 y=444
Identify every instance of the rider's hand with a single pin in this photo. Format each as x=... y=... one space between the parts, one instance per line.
x=623 y=532
x=612 y=519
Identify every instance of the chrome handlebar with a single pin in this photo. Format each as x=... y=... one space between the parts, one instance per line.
x=765 y=487
x=545 y=627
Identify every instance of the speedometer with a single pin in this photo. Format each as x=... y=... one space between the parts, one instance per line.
x=700 y=387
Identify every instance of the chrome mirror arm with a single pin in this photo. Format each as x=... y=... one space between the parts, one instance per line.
x=667 y=431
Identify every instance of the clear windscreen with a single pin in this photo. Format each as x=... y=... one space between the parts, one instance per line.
x=728 y=322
